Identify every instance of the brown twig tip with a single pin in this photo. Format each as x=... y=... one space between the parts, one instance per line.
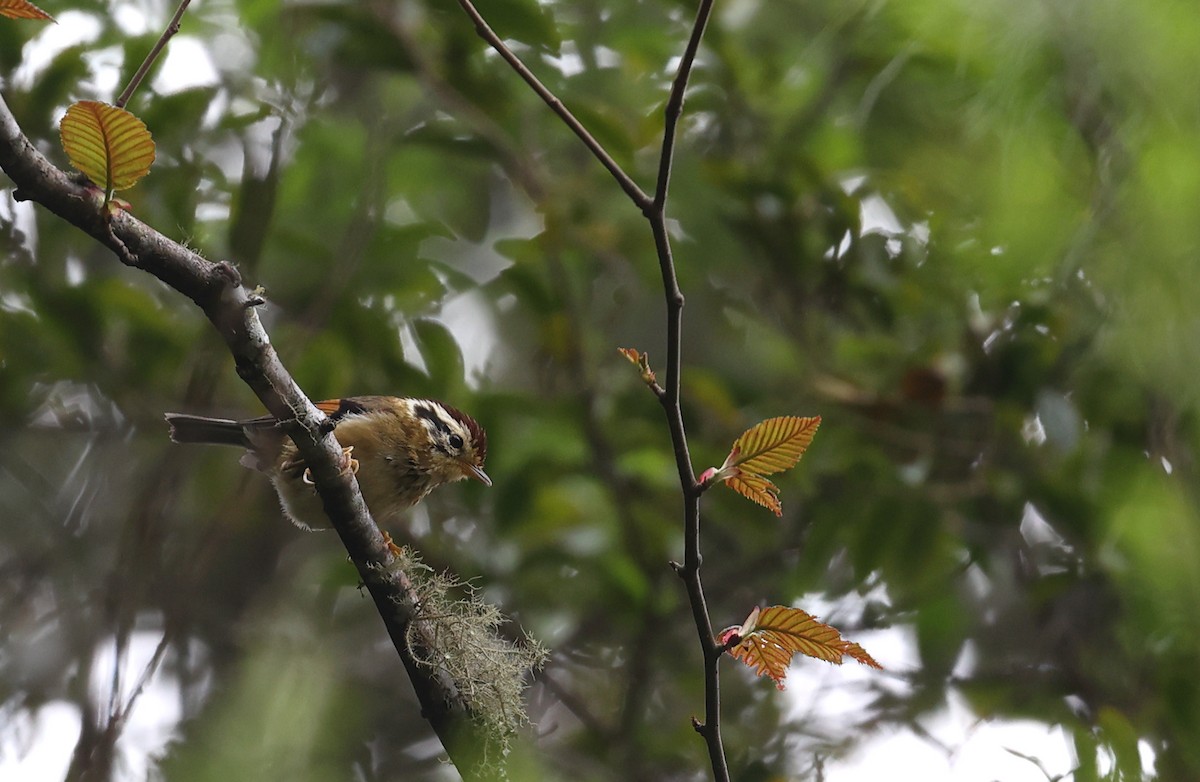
x=697 y=726
x=484 y=30
x=171 y=29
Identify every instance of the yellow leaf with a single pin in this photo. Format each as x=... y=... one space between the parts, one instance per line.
x=22 y=9
x=773 y=445
x=771 y=636
x=757 y=488
x=110 y=145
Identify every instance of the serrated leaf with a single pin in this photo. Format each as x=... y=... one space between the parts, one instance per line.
x=771 y=636
x=22 y=9
x=758 y=489
x=109 y=145
x=773 y=445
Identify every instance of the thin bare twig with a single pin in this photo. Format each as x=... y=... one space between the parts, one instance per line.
x=674 y=108
x=668 y=395
x=122 y=715
x=630 y=187
x=144 y=68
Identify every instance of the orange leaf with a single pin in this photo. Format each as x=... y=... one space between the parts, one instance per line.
x=856 y=652
x=772 y=446
x=632 y=354
x=771 y=636
x=757 y=488
x=641 y=361
x=110 y=145
x=22 y=9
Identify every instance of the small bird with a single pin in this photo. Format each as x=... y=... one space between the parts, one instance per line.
x=400 y=449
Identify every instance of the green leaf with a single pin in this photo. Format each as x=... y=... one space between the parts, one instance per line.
x=441 y=352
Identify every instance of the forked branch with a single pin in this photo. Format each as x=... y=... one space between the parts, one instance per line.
x=654 y=210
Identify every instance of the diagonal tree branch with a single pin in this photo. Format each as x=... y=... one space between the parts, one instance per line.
x=217 y=289
x=627 y=184
x=159 y=45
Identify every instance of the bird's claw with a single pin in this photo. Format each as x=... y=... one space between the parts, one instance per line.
x=392 y=548
x=348 y=461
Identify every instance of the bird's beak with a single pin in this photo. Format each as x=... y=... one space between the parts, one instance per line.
x=473 y=471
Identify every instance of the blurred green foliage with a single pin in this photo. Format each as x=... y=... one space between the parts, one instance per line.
x=961 y=232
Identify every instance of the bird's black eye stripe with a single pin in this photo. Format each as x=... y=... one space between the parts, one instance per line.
x=455 y=441
x=440 y=425
x=427 y=413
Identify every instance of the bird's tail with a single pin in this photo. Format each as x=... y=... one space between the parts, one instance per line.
x=199 y=429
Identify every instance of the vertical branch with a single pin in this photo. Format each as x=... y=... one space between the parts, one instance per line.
x=654 y=209
x=689 y=572
x=674 y=108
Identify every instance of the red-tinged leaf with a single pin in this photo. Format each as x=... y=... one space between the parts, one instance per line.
x=770 y=637
x=737 y=631
x=22 y=9
x=758 y=489
x=632 y=354
x=642 y=362
x=110 y=145
x=772 y=446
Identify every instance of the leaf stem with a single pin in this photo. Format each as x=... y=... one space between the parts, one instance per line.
x=160 y=44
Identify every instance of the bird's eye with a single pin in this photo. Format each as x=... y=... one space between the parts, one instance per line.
x=455 y=441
